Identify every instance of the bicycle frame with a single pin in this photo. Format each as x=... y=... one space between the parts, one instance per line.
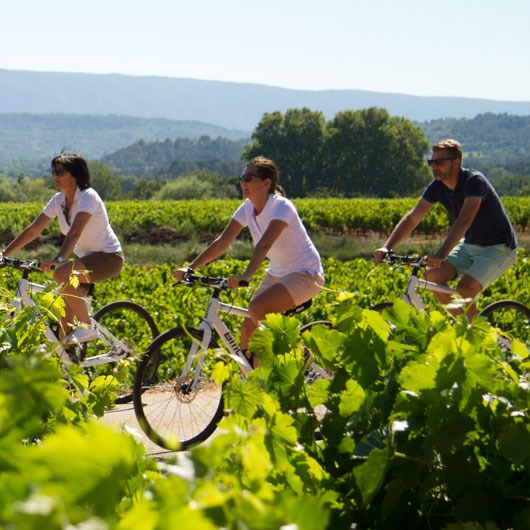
x=212 y=321
x=23 y=299
x=412 y=296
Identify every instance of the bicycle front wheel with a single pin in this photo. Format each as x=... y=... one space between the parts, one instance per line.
x=176 y=410
x=128 y=329
x=511 y=319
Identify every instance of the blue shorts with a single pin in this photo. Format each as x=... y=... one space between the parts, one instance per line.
x=483 y=263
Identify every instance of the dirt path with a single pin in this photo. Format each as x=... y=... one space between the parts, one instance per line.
x=122 y=418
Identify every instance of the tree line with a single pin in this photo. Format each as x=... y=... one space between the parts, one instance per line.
x=365 y=153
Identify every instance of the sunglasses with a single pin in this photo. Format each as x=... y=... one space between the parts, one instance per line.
x=59 y=171
x=438 y=161
x=247 y=177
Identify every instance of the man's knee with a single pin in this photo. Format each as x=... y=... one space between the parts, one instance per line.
x=468 y=287
x=442 y=274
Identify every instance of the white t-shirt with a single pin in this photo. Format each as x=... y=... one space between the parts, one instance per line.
x=293 y=251
x=98 y=235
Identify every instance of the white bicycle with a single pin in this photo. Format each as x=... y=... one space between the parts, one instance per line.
x=510 y=317
x=183 y=403
x=124 y=328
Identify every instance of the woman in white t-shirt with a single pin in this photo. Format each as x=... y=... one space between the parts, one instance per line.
x=84 y=222
x=295 y=273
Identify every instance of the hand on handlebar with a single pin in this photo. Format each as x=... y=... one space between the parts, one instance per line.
x=380 y=254
x=178 y=274
x=434 y=261
x=48 y=265
x=235 y=282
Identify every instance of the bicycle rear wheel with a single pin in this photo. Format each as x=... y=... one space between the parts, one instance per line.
x=134 y=328
x=172 y=412
x=511 y=319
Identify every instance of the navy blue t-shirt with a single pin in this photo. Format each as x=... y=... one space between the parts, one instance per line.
x=491 y=225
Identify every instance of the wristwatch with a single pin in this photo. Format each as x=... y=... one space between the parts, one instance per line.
x=58 y=259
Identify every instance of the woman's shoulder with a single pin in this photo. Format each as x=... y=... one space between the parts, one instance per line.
x=279 y=201
x=89 y=194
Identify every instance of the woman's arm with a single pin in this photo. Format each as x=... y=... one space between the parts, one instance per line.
x=218 y=246
x=272 y=233
x=29 y=234
x=70 y=240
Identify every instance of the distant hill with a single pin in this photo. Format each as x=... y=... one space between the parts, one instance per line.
x=237 y=106
x=487 y=139
x=29 y=141
x=172 y=158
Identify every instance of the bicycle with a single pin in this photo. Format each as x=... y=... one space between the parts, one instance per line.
x=124 y=328
x=184 y=404
x=510 y=317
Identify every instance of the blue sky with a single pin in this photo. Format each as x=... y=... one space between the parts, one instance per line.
x=467 y=48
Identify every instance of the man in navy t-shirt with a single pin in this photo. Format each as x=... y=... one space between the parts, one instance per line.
x=481 y=244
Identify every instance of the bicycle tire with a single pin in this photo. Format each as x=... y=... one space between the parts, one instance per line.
x=171 y=414
x=512 y=320
x=130 y=323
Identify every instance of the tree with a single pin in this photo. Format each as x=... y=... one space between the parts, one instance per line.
x=198 y=185
x=364 y=152
x=370 y=153
x=294 y=142
x=104 y=181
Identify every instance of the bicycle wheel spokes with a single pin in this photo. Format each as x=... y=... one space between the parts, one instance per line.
x=175 y=410
x=128 y=329
x=511 y=319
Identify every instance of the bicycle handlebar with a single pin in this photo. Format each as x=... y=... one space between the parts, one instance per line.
x=20 y=264
x=413 y=261
x=216 y=282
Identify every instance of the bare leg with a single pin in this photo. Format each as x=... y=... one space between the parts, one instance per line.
x=467 y=288
x=470 y=288
x=74 y=297
x=275 y=299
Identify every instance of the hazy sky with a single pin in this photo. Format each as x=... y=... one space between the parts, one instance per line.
x=469 y=48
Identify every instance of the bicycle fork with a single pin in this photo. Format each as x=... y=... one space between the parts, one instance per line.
x=199 y=348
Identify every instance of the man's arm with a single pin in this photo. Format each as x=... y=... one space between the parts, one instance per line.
x=458 y=230
x=407 y=224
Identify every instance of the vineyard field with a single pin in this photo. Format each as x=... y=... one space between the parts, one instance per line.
x=358 y=280
x=179 y=220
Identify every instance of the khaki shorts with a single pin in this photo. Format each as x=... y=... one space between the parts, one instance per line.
x=302 y=286
x=102 y=265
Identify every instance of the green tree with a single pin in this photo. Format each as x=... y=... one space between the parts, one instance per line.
x=294 y=142
x=197 y=185
x=104 y=181
x=7 y=190
x=370 y=153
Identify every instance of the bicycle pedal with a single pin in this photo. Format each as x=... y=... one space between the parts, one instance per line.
x=72 y=354
x=118 y=353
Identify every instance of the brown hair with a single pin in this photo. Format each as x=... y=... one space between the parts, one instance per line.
x=76 y=165
x=450 y=145
x=267 y=169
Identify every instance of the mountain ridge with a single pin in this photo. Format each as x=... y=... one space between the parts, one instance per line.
x=227 y=104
